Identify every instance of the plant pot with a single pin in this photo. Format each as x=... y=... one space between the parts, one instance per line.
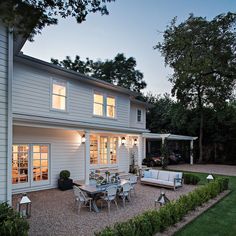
x=65 y=184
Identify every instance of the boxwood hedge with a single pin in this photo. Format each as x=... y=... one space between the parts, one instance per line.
x=154 y=221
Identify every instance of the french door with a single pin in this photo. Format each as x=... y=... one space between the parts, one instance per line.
x=108 y=150
x=30 y=165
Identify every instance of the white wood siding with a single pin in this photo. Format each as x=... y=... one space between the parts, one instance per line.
x=67 y=153
x=133 y=116
x=3 y=111
x=31 y=96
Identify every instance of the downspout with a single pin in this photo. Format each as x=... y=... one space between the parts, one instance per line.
x=9 y=118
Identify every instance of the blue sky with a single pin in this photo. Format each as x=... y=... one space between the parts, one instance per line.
x=131 y=28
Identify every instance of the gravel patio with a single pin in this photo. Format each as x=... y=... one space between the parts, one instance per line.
x=54 y=211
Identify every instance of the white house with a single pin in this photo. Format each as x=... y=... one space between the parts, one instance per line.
x=54 y=119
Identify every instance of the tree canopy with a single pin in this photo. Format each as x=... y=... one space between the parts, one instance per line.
x=202 y=54
x=31 y=16
x=120 y=71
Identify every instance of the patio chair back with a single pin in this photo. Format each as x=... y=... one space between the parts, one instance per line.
x=79 y=194
x=111 y=192
x=126 y=189
x=133 y=179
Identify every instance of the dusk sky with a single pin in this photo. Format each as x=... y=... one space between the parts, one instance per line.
x=132 y=28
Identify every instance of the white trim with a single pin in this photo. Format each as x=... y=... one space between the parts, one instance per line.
x=9 y=126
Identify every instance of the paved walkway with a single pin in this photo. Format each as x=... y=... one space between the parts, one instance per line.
x=206 y=168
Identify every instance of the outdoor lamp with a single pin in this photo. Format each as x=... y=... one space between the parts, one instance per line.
x=210 y=178
x=123 y=141
x=135 y=141
x=24 y=206
x=83 y=139
x=162 y=200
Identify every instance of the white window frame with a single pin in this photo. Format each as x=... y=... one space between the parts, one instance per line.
x=103 y=104
x=66 y=97
x=141 y=116
x=105 y=96
x=31 y=183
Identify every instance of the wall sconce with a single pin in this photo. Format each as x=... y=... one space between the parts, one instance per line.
x=123 y=141
x=83 y=139
x=135 y=141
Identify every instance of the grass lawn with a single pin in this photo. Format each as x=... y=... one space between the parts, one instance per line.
x=220 y=220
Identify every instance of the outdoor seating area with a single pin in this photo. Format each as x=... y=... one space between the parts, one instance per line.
x=54 y=212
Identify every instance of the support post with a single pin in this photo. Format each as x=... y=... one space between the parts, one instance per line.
x=140 y=151
x=162 y=141
x=191 y=152
x=87 y=156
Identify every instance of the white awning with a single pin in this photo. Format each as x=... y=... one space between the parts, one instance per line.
x=168 y=136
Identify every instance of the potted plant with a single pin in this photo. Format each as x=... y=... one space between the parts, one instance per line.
x=65 y=183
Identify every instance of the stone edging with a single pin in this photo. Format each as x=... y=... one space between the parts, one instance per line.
x=193 y=215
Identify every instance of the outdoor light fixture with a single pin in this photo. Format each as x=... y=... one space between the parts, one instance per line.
x=135 y=141
x=123 y=141
x=83 y=139
x=24 y=206
x=162 y=200
x=210 y=178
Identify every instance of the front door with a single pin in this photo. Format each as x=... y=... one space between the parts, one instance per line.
x=30 y=165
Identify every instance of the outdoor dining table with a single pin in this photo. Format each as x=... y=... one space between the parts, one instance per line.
x=94 y=191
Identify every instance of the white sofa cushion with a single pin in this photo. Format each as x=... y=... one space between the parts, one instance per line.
x=173 y=175
x=163 y=175
x=164 y=182
x=154 y=173
x=150 y=180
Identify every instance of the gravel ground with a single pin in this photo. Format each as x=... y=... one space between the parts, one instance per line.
x=54 y=211
x=206 y=168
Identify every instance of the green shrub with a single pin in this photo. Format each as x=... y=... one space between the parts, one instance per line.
x=191 y=179
x=11 y=224
x=65 y=174
x=153 y=221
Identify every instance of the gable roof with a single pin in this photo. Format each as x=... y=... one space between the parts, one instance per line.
x=47 y=66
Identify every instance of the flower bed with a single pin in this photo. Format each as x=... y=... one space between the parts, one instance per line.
x=153 y=221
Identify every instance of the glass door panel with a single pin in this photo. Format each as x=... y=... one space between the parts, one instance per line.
x=113 y=150
x=20 y=165
x=93 y=150
x=103 y=150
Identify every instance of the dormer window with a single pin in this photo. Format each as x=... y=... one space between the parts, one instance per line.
x=139 y=115
x=59 y=95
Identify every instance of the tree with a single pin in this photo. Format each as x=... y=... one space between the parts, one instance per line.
x=202 y=55
x=120 y=71
x=31 y=16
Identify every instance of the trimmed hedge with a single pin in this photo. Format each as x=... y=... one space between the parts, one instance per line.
x=153 y=221
x=191 y=179
x=11 y=224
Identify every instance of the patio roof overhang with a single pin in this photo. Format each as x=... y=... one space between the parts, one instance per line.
x=168 y=136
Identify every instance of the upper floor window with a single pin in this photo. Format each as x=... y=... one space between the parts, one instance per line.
x=98 y=104
x=139 y=115
x=104 y=105
x=111 y=107
x=59 y=95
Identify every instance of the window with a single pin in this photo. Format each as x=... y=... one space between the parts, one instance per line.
x=20 y=162
x=139 y=115
x=103 y=150
x=104 y=105
x=93 y=150
x=98 y=104
x=59 y=95
x=111 y=105
x=40 y=162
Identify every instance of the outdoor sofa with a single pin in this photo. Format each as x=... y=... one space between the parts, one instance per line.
x=167 y=179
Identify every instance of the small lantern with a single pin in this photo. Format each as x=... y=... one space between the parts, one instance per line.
x=210 y=178
x=24 y=206
x=162 y=200
x=123 y=141
x=135 y=141
x=83 y=139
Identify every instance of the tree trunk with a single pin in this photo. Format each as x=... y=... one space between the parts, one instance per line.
x=200 y=137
